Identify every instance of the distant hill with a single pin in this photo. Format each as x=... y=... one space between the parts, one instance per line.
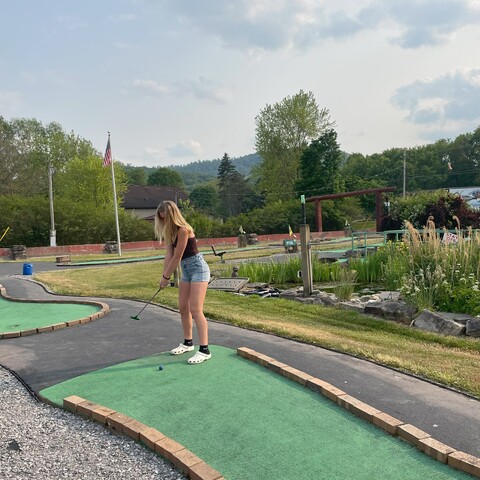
x=203 y=171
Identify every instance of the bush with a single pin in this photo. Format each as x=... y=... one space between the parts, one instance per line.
x=463 y=299
x=75 y=223
x=277 y=216
x=441 y=206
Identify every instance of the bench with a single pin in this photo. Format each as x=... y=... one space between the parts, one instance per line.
x=218 y=254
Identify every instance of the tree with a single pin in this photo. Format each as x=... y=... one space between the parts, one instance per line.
x=136 y=175
x=86 y=181
x=166 y=177
x=204 y=197
x=29 y=149
x=319 y=166
x=233 y=189
x=11 y=161
x=283 y=131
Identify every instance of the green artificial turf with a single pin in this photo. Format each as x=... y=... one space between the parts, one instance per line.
x=17 y=316
x=250 y=423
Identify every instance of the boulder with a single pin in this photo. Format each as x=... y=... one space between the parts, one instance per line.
x=389 y=295
x=473 y=327
x=355 y=306
x=438 y=322
x=322 y=298
x=391 y=310
x=462 y=318
x=306 y=300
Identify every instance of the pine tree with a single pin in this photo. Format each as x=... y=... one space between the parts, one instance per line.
x=233 y=189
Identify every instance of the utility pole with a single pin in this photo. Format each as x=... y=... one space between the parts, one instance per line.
x=404 y=173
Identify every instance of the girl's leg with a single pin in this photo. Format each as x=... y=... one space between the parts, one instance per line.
x=198 y=291
x=184 y=307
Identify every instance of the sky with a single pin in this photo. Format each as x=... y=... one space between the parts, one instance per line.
x=176 y=81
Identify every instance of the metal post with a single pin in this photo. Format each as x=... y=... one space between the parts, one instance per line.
x=115 y=203
x=307 y=275
x=53 y=233
x=404 y=173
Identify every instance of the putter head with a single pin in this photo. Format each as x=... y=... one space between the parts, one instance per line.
x=135 y=317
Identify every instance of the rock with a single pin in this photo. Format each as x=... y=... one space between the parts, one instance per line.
x=391 y=310
x=322 y=298
x=462 y=318
x=289 y=294
x=387 y=295
x=355 y=306
x=307 y=300
x=369 y=298
x=473 y=327
x=438 y=322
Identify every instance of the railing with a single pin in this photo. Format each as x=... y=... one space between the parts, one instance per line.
x=359 y=239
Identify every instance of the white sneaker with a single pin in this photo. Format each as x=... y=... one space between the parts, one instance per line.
x=199 y=357
x=182 y=349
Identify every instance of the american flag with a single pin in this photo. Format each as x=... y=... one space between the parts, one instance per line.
x=107 y=159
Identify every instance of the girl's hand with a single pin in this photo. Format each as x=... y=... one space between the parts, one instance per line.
x=164 y=282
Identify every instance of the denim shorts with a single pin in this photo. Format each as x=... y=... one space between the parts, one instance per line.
x=195 y=269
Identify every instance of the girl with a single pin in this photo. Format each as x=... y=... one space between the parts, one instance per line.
x=179 y=237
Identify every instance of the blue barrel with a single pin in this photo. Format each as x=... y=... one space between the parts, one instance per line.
x=27 y=268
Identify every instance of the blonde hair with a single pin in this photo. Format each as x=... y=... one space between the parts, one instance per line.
x=167 y=228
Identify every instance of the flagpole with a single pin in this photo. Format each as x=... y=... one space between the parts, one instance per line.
x=115 y=203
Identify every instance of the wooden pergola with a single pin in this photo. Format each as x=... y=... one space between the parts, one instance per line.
x=378 y=203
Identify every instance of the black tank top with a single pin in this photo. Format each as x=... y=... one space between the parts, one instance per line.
x=190 y=249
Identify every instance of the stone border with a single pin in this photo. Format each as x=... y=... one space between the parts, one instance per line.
x=411 y=434
x=191 y=465
x=57 y=326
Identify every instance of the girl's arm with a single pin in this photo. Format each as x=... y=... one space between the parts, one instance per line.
x=173 y=256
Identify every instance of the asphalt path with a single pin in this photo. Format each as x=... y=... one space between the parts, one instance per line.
x=46 y=359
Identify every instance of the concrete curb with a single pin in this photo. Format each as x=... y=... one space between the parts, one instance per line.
x=104 y=309
x=191 y=465
x=409 y=433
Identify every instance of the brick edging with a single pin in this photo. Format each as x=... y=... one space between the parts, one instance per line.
x=186 y=461
x=104 y=309
x=413 y=435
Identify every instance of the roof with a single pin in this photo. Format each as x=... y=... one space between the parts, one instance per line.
x=142 y=196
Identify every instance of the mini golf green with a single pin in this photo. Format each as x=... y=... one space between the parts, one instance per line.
x=18 y=316
x=250 y=423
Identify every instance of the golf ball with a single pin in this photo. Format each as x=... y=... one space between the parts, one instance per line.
x=160 y=367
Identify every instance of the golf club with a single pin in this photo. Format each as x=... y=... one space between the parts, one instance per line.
x=136 y=317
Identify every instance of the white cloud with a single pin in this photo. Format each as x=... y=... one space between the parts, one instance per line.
x=186 y=148
x=150 y=87
x=247 y=24
x=278 y=25
x=430 y=22
x=202 y=88
x=448 y=103
x=153 y=152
